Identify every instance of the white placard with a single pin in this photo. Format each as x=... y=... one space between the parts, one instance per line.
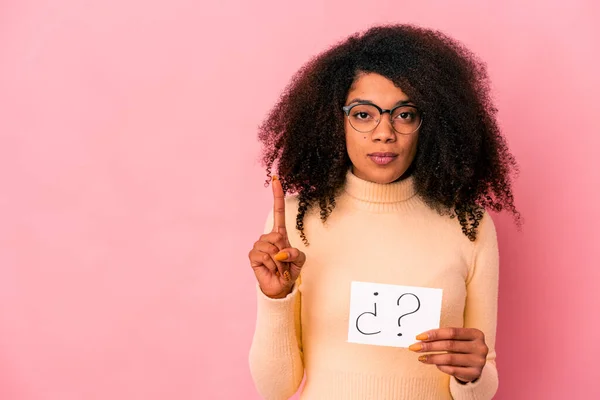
x=392 y=315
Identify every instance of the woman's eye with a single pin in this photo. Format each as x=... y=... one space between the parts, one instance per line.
x=406 y=116
x=361 y=115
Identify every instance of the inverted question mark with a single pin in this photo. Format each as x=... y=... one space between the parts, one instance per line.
x=408 y=313
x=374 y=313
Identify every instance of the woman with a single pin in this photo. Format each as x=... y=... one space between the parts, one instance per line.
x=389 y=144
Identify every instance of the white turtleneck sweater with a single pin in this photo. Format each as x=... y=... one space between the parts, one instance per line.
x=384 y=234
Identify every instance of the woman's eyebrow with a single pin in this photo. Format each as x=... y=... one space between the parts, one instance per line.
x=361 y=101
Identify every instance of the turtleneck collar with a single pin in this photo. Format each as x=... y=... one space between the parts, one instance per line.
x=379 y=193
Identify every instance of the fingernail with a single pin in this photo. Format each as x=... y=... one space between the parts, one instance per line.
x=423 y=336
x=422 y=358
x=286 y=275
x=281 y=256
x=415 y=347
x=275 y=177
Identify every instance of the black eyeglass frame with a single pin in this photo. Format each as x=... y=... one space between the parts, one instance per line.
x=382 y=111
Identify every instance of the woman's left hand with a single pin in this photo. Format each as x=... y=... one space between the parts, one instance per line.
x=465 y=349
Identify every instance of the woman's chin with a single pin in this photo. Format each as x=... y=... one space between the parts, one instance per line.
x=380 y=175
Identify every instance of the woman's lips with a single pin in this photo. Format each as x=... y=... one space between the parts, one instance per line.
x=382 y=158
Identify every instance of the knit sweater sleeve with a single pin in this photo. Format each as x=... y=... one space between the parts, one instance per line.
x=276 y=359
x=481 y=310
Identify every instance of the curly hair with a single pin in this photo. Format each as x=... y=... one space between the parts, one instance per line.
x=462 y=165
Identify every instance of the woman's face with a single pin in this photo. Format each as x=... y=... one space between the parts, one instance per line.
x=382 y=155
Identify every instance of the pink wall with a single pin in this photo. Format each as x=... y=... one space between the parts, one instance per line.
x=130 y=192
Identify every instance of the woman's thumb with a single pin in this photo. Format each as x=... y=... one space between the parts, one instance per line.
x=292 y=255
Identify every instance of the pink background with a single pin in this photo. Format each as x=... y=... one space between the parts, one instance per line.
x=130 y=192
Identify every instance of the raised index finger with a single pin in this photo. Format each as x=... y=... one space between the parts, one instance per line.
x=278 y=207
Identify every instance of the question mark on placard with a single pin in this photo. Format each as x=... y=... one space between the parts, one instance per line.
x=408 y=313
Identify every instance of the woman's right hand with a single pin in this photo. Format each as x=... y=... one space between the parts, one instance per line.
x=275 y=263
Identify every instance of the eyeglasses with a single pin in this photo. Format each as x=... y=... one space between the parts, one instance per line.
x=365 y=117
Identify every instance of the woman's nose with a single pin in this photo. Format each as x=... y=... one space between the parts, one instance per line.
x=384 y=132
